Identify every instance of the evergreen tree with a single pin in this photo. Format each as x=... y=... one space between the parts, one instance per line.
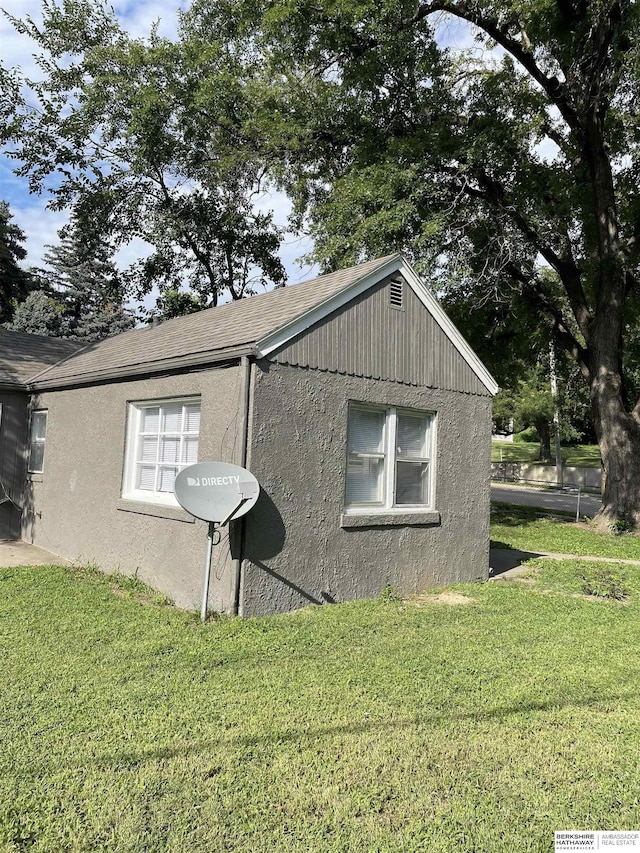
x=81 y=277
x=15 y=282
x=39 y=314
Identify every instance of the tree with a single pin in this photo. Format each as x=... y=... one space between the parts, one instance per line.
x=78 y=295
x=39 y=314
x=176 y=303
x=14 y=281
x=531 y=404
x=144 y=139
x=486 y=166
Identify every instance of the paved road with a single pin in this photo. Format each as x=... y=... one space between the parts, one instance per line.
x=545 y=498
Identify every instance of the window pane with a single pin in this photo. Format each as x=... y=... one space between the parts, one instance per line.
x=146 y=478
x=148 y=448
x=38 y=425
x=412 y=483
x=171 y=418
x=365 y=480
x=166 y=441
x=166 y=479
x=366 y=431
x=36 y=457
x=192 y=418
x=190 y=451
x=170 y=449
x=150 y=419
x=411 y=436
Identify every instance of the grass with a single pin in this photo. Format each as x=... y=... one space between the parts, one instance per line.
x=581 y=455
x=126 y=725
x=529 y=529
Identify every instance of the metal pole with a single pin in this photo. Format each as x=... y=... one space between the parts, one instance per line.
x=556 y=415
x=578 y=506
x=207 y=571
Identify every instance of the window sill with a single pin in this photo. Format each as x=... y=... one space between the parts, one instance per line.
x=155 y=510
x=428 y=518
x=35 y=476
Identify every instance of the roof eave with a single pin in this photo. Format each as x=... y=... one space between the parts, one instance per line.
x=142 y=369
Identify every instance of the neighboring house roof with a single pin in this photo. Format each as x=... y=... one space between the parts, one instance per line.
x=256 y=325
x=22 y=355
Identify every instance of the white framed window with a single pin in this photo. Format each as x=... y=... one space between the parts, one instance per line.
x=162 y=439
x=37 y=439
x=389 y=459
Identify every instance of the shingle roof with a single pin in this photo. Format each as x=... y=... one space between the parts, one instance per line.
x=23 y=355
x=207 y=335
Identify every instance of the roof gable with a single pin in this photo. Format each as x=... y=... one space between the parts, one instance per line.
x=214 y=334
x=257 y=325
x=279 y=338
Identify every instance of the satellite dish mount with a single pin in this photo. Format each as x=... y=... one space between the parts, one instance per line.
x=217 y=492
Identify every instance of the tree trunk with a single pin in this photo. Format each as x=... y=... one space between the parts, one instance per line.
x=544 y=433
x=618 y=435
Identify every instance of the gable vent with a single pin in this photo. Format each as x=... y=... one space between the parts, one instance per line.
x=396 y=294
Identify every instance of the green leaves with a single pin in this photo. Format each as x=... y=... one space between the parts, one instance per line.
x=152 y=140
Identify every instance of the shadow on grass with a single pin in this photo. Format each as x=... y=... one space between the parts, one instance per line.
x=514 y=515
x=306 y=737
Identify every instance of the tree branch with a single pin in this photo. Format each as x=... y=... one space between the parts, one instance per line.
x=494 y=193
x=553 y=88
x=554 y=319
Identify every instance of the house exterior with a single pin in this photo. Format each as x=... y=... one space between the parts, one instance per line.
x=360 y=409
x=21 y=356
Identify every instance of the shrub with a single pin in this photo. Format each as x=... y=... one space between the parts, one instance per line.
x=526 y=436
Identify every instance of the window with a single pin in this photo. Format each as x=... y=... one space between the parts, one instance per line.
x=389 y=463
x=162 y=439
x=36 y=441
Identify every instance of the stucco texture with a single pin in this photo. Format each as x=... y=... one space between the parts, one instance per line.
x=297 y=551
x=75 y=509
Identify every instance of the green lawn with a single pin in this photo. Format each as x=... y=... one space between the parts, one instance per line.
x=587 y=455
x=529 y=529
x=373 y=726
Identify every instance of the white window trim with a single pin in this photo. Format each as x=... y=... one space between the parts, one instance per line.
x=390 y=460
x=42 y=441
x=134 y=416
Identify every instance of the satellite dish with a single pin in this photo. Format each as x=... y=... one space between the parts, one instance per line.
x=216 y=491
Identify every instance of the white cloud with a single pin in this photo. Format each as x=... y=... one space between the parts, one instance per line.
x=138 y=17
x=17 y=49
x=40 y=227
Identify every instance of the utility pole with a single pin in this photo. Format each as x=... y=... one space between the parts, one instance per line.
x=556 y=413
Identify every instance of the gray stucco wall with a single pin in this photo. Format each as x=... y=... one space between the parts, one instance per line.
x=75 y=507
x=296 y=550
x=13 y=436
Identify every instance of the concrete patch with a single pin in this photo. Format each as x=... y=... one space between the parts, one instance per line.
x=523 y=574
x=507 y=561
x=15 y=552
